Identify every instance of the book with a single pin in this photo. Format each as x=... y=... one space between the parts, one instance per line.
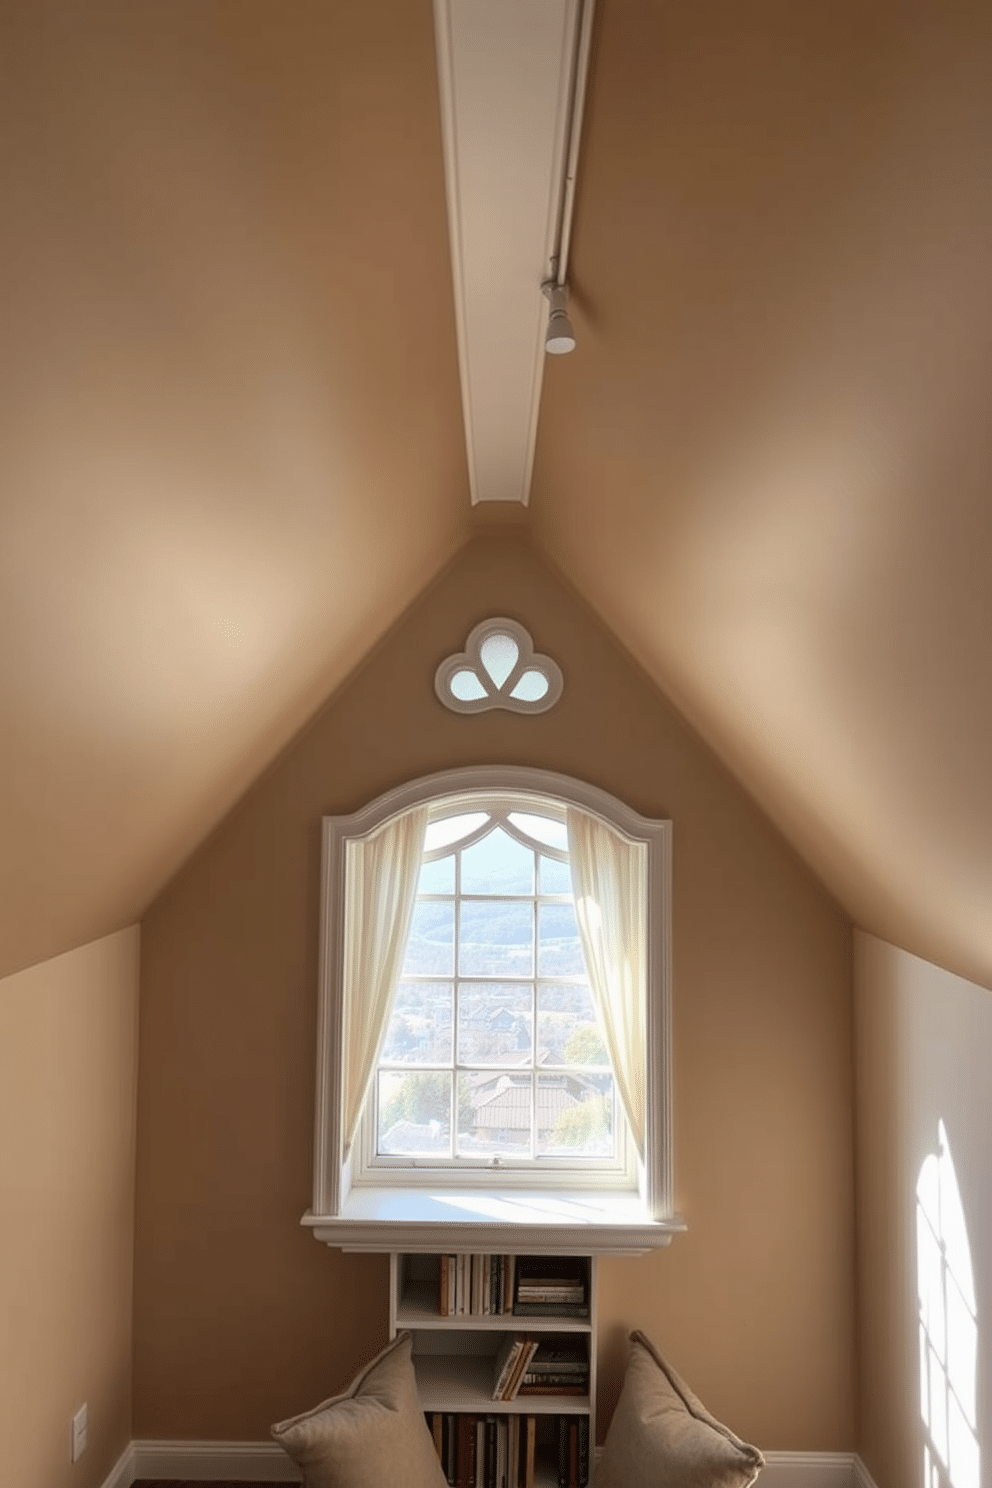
x=530 y=1452
x=513 y=1452
x=573 y=1452
x=501 y=1444
x=480 y=1452
x=504 y=1366
x=562 y=1452
x=529 y=1344
x=450 y=1448
x=442 y=1287
x=466 y=1470
x=545 y=1389
x=583 y=1451
x=551 y=1309
x=560 y=1354
x=490 y=1478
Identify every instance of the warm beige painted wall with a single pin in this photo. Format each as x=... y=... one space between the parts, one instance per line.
x=240 y=1317
x=923 y=1054
x=68 y=1058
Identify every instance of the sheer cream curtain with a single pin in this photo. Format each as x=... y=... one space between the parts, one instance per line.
x=381 y=873
x=609 y=879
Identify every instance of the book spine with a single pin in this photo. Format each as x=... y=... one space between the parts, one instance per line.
x=480 y=1452
x=450 y=1448
x=528 y=1348
x=550 y=1309
x=554 y=1379
x=530 y=1452
x=583 y=1451
x=573 y=1453
x=562 y=1452
x=501 y=1435
x=528 y=1390
x=490 y=1452
x=442 y=1288
x=507 y=1367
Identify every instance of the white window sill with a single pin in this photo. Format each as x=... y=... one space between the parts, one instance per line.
x=439 y=1220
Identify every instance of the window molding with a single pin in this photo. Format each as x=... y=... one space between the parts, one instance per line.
x=332 y=1172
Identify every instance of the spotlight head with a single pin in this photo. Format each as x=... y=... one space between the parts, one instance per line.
x=560 y=336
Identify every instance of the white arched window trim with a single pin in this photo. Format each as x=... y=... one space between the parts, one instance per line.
x=343 y=1213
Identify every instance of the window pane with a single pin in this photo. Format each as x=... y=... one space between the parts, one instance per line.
x=566 y=1027
x=496 y=939
x=554 y=877
x=419 y=1029
x=497 y=865
x=430 y=951
x=494 y=1114
x=437 y=878
x=543 y=828
x=414 y=1113
x=452 y=829
x=575 y=1115
x=495 y=1023
x=558 y=950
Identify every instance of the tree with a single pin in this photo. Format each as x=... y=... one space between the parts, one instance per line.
x=585 y=1046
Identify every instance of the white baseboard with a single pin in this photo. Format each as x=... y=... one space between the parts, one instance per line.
x=811 y=1470
x=122 y=1474
x=862 y=1478
x=206 y=1462
x=264 y=1462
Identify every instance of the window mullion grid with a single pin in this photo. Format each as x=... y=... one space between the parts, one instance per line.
x=455 y=990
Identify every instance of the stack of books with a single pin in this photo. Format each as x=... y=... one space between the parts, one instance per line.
x=557 y=1367
x=504 y=1451
x=548 y=1286
x=478 y=1284
x=573 y=1451
x=486 y=1451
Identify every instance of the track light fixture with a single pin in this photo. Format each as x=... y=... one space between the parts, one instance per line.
x=560 y=337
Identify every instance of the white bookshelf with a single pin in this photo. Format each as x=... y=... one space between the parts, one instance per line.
x=454 y=1355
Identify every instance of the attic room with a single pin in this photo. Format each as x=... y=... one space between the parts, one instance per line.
x=249 y=508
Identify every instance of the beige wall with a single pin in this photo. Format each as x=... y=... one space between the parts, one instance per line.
x=923 y=1043
x=68 y=1054
x=240 y=1317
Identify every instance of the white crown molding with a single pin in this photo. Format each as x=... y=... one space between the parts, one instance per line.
x=265 y=1462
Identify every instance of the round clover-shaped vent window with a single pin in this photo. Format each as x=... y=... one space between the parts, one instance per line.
x=499 y=668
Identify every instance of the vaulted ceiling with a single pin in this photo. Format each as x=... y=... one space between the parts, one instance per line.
x=231 y=438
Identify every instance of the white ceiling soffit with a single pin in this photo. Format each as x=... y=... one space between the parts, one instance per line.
x=512 y=78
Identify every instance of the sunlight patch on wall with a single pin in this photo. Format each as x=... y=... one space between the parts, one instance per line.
x=948 y=1326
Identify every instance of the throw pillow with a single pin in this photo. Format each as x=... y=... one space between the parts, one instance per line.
x=661 y=1436
x=372 y=1435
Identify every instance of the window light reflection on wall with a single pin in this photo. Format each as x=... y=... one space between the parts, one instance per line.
x=948 y=1326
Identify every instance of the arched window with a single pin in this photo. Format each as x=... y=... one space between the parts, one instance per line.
x=494 y=1008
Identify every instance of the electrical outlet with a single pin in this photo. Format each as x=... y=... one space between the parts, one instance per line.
x=79 y=1433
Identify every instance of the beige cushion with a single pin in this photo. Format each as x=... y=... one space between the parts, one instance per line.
x=661 y=1436
x=372 y=1436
